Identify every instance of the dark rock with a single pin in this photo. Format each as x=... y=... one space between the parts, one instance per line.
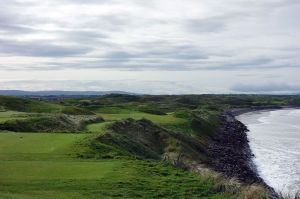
x=230 y=153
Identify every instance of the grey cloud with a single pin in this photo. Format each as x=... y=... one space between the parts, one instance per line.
x=214 y=24
x=134 y=41
x=83 y=37
x=255 y=63
x=136 y=86
x=276 y=3
x=266 y=88
x=15 y=29
x=124 y=61
x=41 y=49
x=88 y=1
x=160 y=51
x=205 y=25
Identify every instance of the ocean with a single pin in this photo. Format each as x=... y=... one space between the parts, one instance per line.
x=274 y=137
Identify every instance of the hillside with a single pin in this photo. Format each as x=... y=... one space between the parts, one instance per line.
x=38 y=106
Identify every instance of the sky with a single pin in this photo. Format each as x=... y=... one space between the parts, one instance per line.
x=153 y=46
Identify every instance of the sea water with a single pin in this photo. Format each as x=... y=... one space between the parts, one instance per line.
x=275 y=141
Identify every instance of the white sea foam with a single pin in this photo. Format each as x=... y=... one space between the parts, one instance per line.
x=275 y=141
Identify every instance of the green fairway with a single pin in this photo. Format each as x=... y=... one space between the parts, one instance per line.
x=97 y=127
x=20 y=171
x=37 y=145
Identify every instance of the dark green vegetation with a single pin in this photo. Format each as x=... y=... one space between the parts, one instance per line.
x=89 y=148
x=49 y=123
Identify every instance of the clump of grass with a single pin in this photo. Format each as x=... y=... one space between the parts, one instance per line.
x=70 y=110
x=232 y=186
x=253 y=192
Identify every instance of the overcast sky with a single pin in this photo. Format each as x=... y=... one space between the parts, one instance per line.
x=153 y=46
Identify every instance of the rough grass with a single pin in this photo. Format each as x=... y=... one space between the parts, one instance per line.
x=142 y=139
x=168 y=119
x=50 y=123
x=27 y=105
x=70 y=110
x=35 y=106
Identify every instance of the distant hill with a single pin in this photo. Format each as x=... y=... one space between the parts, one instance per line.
x=59 y=93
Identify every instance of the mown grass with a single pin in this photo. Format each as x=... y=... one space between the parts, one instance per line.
x=98 y=127
x=34 y=146
x=24 y=170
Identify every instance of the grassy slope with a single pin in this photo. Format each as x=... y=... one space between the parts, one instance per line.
x=26 y=105
x=35 y=106
x=41 y=167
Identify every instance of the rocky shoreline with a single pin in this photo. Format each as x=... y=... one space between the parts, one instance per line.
x=230 y=152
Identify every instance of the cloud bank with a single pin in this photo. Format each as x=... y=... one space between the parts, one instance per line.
x=152 y=35
x=155 y=35
x=269 y=88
